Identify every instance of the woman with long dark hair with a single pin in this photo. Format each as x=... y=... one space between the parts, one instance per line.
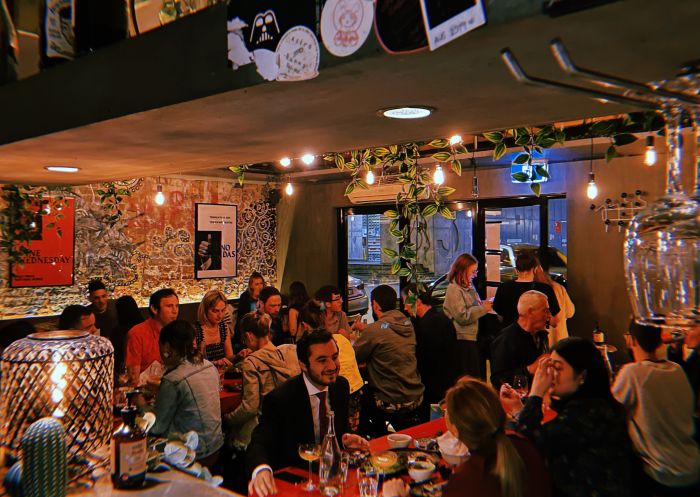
x=298 y=296
x=586 y=445
x=128 y=316
x=188 y=397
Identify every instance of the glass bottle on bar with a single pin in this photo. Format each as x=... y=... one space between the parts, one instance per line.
x=9 y=45
x=329 y=472
x=56 y=33
x=129 y=450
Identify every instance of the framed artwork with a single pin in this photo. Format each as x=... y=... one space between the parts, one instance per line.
x=52 y=250
x=215 y=254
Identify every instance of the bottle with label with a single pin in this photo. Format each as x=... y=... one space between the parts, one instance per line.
x=128 y=454
x=56 y=33
x=329 y=468
x=598 y=336
x=9 y=45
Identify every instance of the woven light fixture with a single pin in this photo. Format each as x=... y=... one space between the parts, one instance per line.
x=67 y=375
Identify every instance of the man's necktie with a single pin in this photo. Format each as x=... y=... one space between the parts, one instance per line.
x=322 y=415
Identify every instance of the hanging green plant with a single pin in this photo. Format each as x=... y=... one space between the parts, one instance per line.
x=111 y=196
x=21 y=211
x=240 y=171
x=418 y=200
x=534 y=140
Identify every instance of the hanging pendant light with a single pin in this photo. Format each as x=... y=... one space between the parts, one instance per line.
x=650 y=151
x=438 y=175
x=369 y=178
x=159 y=199
x=591 y=188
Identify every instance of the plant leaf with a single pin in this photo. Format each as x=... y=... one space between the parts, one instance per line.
x=499 y=151
x=446 y=212
x=349 y=189
x=429 y=210
x=389 y=252
x=520 y=177
x=457 y=167
x=396 y=267
x=405 y=272
x=439 y=143
x=522 y=158
x=446 y=191
x=610 y=153
x=624 y=139
x=601 y=128
x=542 y=171
x=536 y=188
x=494 y=136
x=391 y=214
x=441 y=156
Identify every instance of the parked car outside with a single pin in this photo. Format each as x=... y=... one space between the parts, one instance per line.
x=357 y=300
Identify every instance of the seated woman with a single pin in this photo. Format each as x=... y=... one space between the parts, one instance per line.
x=212 y=332
x=188 y=397
x=264 y=368
x=501 y=464
x=586 y=446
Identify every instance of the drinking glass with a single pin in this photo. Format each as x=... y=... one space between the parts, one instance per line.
x=367 y=481
x=123 y=375
x=521 y=385
x=344 y=465
x=309 y=452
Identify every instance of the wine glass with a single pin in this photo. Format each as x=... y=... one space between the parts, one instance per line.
x=309 y=452
x=521 y=385
x=344 y=465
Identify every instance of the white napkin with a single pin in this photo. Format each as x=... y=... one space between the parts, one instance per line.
x=449 y=444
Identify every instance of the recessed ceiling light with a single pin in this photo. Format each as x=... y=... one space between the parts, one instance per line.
x=408 y=112
x=285 y=161
x=62 y=169
x=307 y=159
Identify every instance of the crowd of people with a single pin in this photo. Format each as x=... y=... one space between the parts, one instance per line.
x=573 y=432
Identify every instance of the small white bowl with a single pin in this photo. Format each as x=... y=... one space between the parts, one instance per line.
x=454 y=460
x=399 y=440
x=421 y=470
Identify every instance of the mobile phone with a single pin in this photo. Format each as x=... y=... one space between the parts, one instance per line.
x=289 y=477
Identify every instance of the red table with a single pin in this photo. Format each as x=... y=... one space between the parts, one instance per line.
x=230 y=399
x=286 y=489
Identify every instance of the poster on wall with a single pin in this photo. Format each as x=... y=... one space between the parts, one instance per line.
x=215 y=253
x=51 y=256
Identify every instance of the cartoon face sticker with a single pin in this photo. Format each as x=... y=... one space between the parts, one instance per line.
x=265 y=30
x=347 y=15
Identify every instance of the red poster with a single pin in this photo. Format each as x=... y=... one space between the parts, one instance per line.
x=50 y=262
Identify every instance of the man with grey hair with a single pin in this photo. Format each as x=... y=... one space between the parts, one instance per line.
x=515 y=351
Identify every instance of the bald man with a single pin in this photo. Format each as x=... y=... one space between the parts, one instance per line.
x=515 y=351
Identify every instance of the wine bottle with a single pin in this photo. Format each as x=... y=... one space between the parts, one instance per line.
x=56 y=34
x=128 y=451
x=329 y=468
x=9 y=46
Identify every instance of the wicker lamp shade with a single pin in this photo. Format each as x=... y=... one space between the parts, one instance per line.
x=64 y=374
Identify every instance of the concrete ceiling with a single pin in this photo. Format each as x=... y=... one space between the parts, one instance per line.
x=465 y=80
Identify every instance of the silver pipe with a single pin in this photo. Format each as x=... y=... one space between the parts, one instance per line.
x=522 y=77
x=561 y=54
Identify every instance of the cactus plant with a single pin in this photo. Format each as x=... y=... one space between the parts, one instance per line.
x=44 y=463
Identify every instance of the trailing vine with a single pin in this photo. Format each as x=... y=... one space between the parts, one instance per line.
x=534 y=140
x=111 y=196
x=240 y=171
x=418 y=200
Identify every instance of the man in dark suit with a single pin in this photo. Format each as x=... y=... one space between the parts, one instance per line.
x=295 y=412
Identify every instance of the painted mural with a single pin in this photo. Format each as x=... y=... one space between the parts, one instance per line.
x=151 y=247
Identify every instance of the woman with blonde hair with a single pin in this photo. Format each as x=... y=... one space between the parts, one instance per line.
x=212 y=332
x=558 y=332
x=501 y=464
x=464 y=307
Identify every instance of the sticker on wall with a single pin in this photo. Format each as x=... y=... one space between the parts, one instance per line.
x=255 y=30
x=298 y=55
x=345 y=25
x=446 y=20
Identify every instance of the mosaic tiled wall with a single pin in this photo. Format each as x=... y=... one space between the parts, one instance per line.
x=152 y=246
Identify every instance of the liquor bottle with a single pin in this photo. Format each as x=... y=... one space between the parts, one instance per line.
x=98 y=23
x=9 y=46
x=128 y=450
x=598 y=336
x=56 y=33
x=329 y=468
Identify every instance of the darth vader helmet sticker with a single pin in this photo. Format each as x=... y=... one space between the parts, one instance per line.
x=298 y=55
x=345 y=25
x=256 y=30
